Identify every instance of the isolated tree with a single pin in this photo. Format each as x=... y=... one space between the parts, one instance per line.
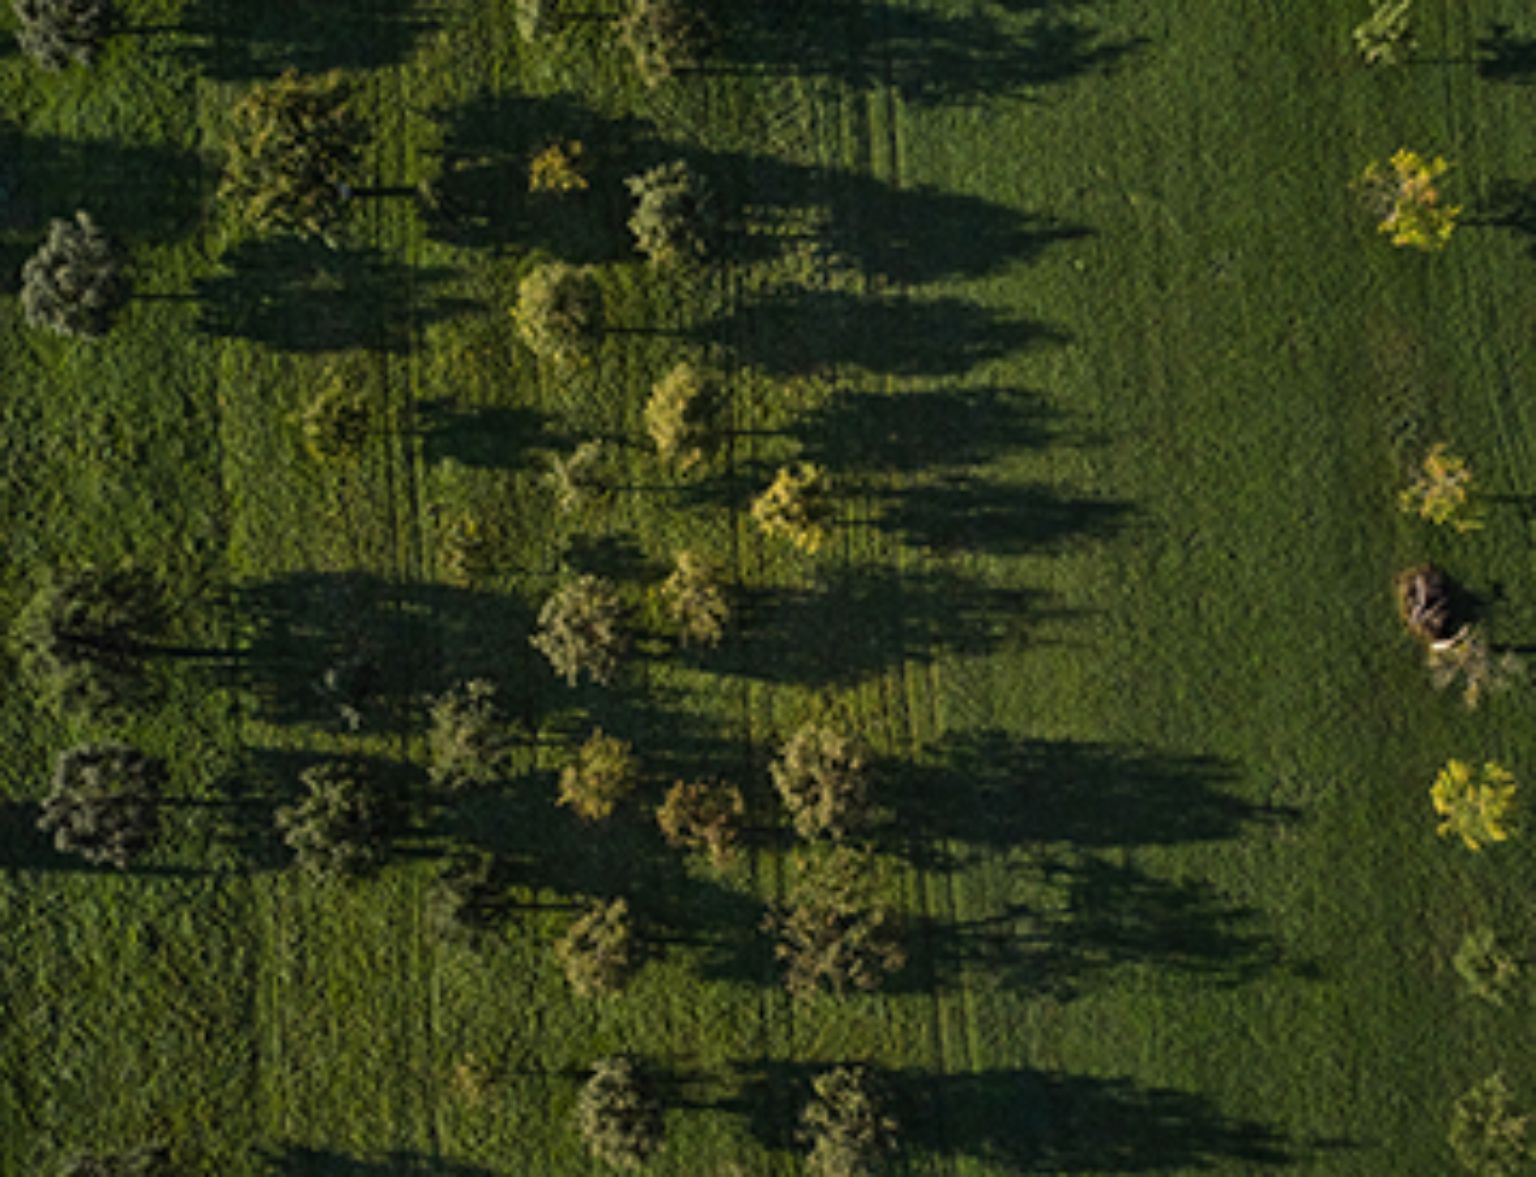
x=1484 y=967
x=832 y=933
x=557 y=168
x=145 y=1161
x=702 y=815
x=559 y=311
x=1385 y=37
x=598 y=952
x=1402 y=194
x=466 y=737
x=695 y=600
x=664 y=37
x=578 y=477
x=58 y=33
x=602 y=773
x=1467 y=657
x=581 y=630
x=847 y=1125
x=794 y=506
x=1477 y=808
x=671 y=223
x=1442 y=492
x=83 y=635
x=337 y=828
x=73 y=284
x=617 y=1114
x=295 y=152
x=820 y=776
x=1487 y=1134
x=103 y=803
x=680 y=414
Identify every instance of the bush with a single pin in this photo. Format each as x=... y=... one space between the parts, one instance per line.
x=335 y=423
x=466 y=739
x=832 y=934
x=73 y=285
x=56 y=33
x=1385 y=38
x=671 y=221
x=819 y=775
x=578 y=478
x=679 y=416
x=617 y=1115
x=1487 y=1135
x=559 y=311
x=1478 y=809
x=598 y=951
x=664 y=37
x=846 y=1124
x=337 y=829
x=103 y=803
x=702 y=815
x=794 y=506
x=694 y=601
x=602 y=774
x=580 y=630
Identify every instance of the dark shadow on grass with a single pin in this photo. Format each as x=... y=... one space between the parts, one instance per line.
x=967 y=514
x=927 y=56
x=1509 y=204
x=1506 y=56
x=483 y=436
x=296 y=294
x=293 y=1160
x=240 y=39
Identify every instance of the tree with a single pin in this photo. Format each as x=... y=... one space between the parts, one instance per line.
x=598 y=952
x=832 y=933
x=73 y=284
x=1401 y=192
x=671 y=221
x=337 y=828
x=1468 y=658
x=56 y=33
x=664 y=37
x=1426 y=602
x=145 y=1161
x=295 y=152
x=1483 y=965
x=846 y=1124
x=557 y=169
x=1478 y=809
x=820 y=776
x=581 y=630
x=1385 y=37
x=559 y=311
x=1442 y=491
x=82 y=635
x=794 y=506
x=103 y=803
x=617 y=1115
x=1488 y=1136
x=603 y=772
x=695 y=601
x=578 y=478
x=679 y=416
x=535 y=18
x=466 y=738
x=702 y=815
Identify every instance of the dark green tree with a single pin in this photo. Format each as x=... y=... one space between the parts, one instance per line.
x=672 y=218
x=559 y=311
x=598 y=952
x=581 y=630
x=617 y=1114
x=338 y=828
x=847 y=1125
x=833 y=933
x=73 y=284
x=820 y=777
x=103 y=803
x=57 y=33
x=295 y=152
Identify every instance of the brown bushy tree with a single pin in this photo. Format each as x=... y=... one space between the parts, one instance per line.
x=820 y=776
x=73 y=284
x=832 y=933
x=695 y=600
x=664 y=37
x=679 y=416
x=337 y=829
x=847 y=1125
x=581 y=630
x=103 y=803
x=295 y=152
x=57 y=33
x=672 y=218
x=598 y=952
x=603 y=772
x=617 y=1114
x=559 y=311
x=702 y=815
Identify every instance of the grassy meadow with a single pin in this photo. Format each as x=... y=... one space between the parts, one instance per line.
x=1117 y=384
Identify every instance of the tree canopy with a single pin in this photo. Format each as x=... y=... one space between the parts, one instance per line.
x=103 y=803
x=820 y=776
x=337 y=828
x=580 y=630
x=617 y=1114
x=73 y=284
x=59 y=33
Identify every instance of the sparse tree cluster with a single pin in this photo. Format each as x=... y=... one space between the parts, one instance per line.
x=74 y=284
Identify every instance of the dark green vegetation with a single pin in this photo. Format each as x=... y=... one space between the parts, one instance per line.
x=1114 y=386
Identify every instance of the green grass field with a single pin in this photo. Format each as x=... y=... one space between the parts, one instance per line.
x=1117 y=383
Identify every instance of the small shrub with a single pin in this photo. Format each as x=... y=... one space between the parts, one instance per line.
x=603 y=772
x=598 y=952
x=581 y=630
x=819 y=775
x=335 y=423
x=1478 y=809
x=618 y=1117
x=557 y=169
x=1487 y=1135
x=1468 y=658
x=58 y=33
x=73 y=284
x=103 y=803
x=1486 y=969
x=1402 y=193
x=846 y=1124
x=559 y=311
x=832 y=933
x=1385 y=38
x=695 y=601
x=671 y=221
x=468 y=898
x=702 y=815
x=1442 y=491
x=466 y=739
x=794 y=506
x=679 y=416
x=664 y=37
x=337 y=828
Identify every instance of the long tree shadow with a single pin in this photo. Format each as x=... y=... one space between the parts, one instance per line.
x=927 y=56
x=965 y=513
x=861 y=621
x=1509 y=204
x=1506 y=56
x=484 y=436
x=298 y=294
x=239 y=40
x=991 y=790
x=293 y=1160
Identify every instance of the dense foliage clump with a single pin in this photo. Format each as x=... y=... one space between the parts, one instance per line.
x=1477 y=807
x=1403 y=195
x=702 y=815
x=671 y=221
x=832 y=933
x=58 y=33
x=466 y=739
x=617 y=1114
x=679 y=415
x=695 y=600
x=820 y=776
x=603 y=772
x=1488 y=1135
x=847 y=1125
x=598 y=953
x=337 y=829
x=73 y=284
x=559 y=311
x=103 y=803
x=581 y=630
x=794 y=507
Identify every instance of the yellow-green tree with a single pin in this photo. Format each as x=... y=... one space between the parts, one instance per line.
x=1442 y=491
x=1476 y=807
x=1403 y=194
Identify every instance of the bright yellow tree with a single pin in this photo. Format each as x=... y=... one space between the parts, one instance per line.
x=1442 y=492
x=1477 y=808
x=1403 y=194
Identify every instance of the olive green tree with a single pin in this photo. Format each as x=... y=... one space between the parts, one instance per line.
x=59 y=33
x=599 y=951
x=103 y=803
x=672 y=221
x=580 y=630
x=559 y=311
x=794 y=506
x=847 y=1125
x=680 y=414
x=832 y=933
x=618 y=1115
x=467 y=739
x=338 y=828
x=664 y=37
x=702 y=815
x=1488 y=1134
x=74 y=284
x=820 y=776
x=602 y=773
